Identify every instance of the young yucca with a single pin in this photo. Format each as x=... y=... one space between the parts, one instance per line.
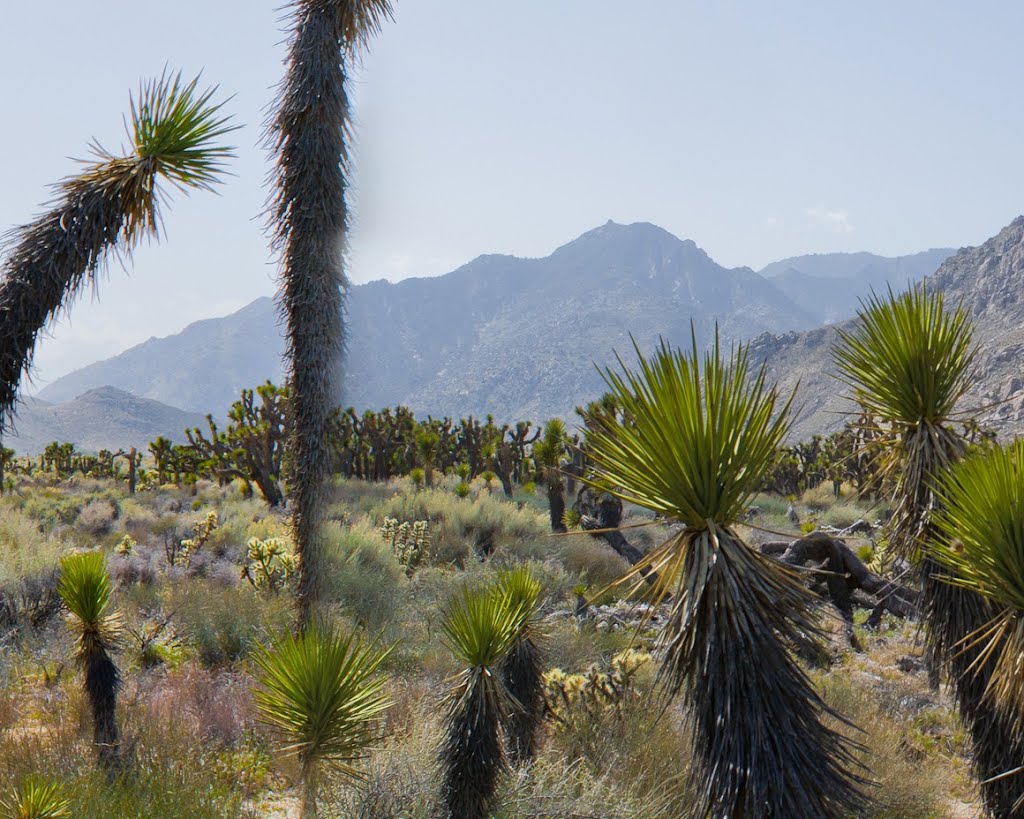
x=480 y=626
x=35 y=798
x=701 y=435
x=522 y=668
x=86 y=590
x=908 y=362
x=322 y=691
x=309 y=134
x=114 y=202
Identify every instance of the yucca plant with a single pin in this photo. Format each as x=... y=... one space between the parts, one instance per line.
x=323 y=692
x=908 y=362
x=522 y=668
x=309 y=134
x=701 y=434
x=981 y=543
x=86 y=590
x=175 y=131
x=35 y=798
x=480 y=627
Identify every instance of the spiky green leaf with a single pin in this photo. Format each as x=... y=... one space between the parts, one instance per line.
x=323 y=692
x=36 y=798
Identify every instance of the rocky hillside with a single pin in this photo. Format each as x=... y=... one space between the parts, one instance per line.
x=514 y=337
x=988 y=280
x=102 y=418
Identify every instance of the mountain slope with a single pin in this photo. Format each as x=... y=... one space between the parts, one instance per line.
x=515 y=337
x=988 y=280
x=102 y=418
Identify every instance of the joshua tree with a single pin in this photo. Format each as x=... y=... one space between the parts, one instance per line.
x=161 y=449
x=321 y=690
x=699 y=439
x=522 y=668
x=548 y=452
x=908 y=363
x=85 y=588
x=480 y=626
x=309 y=134
x=112 y=204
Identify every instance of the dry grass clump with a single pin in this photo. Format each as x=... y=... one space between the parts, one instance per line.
x=912 y=743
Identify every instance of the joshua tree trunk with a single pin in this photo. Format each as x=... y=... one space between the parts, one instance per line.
x=102 y=681
x=556 y=503
x=309 y=134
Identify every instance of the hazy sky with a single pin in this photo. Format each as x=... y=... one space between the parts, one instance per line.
x=759 y=130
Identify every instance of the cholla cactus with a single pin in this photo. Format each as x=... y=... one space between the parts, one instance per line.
x=410 y=541
x=271 y=565
x=201 y=532
x=126 y=546
x=599 y=689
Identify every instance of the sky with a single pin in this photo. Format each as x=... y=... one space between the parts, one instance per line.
x=759 y=130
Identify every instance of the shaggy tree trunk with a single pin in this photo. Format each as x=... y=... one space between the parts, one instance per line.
x=102 y=681
x=309 y=135
x=556 y=503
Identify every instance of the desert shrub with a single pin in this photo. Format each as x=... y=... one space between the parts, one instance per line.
x=51 y=508
x=212 y=706
x=135 y=567
x=97 y=516
x=28 y=570
x=362 y=575
x=463 y=526
x=222 y=624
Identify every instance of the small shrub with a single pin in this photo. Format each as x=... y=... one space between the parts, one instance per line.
x=97 y=516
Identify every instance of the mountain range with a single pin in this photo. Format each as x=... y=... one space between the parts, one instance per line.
x=515 y=337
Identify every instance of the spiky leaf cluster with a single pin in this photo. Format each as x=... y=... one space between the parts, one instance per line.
x=981 y=543
x=908 y=361
x=86 y=590
x=322 y=691
x=480 y=626
x=522 y=668
x=700 y=436
x=36 y=798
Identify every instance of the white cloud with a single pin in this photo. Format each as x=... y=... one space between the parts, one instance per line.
x=837 y=220
x=773 y=222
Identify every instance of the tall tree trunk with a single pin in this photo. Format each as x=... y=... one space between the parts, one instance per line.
x=311 y=216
